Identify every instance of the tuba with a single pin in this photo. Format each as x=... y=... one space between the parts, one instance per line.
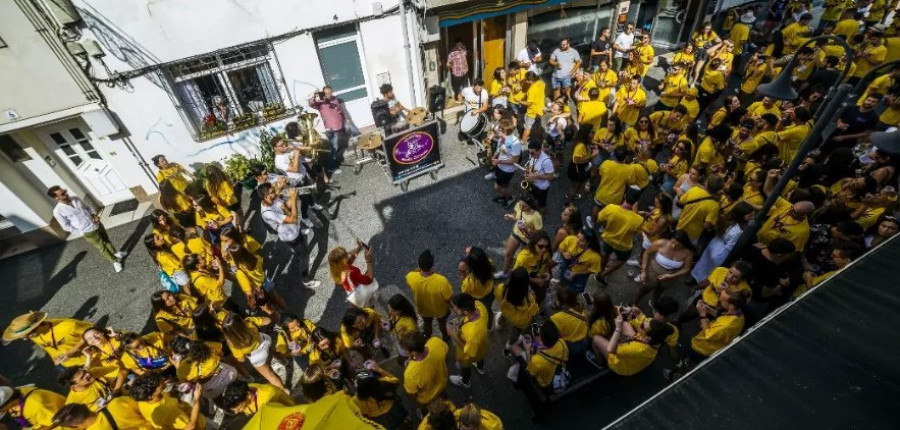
x=307 y=128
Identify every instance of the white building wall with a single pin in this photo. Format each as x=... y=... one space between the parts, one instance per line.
x=137 y=33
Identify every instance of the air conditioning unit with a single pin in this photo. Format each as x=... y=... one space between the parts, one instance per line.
x=432 y=32
x=62 y=11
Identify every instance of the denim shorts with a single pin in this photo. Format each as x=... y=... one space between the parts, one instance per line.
x=565 y=82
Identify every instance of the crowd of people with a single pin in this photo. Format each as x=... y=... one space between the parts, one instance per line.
x=671 y=187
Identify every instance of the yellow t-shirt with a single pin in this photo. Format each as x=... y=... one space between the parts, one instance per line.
x=781 y=224
x=301 y=337
x=426 y=379
x=372 y=319
x=572 y=325
x=846 y=27
x=739 y=34
x=603 y=137
x=544 y=363
x=94 y=396
x=155 y=349
x=533 y=221
x=605 y=83
x=475 y=288
x=699 y=208
x=631 y=357
x=242 y=353
x=790 y=138
x=621 y=226
x=126 y=413
x=535 y=264
x=675 y=86
x=205 y=219
x=713 y=81
x=195 y=245
x=224 y=196
x=403 y=326
x=794 y=34
x=639 y=139
x=63 y=335
x=474 y=332
x=535 y=95
x=585 y=89
x=263 y=394
x=614 y=179
x=757 y=109
x=593 y=112
x=719 y=333
x=833 y=10
x=208 y=287
x=600 y=328
x=431 y=293
x=752 y=77
x=671 y=340
x=876 y=55
x=374 y=408
x=168 y=262
x=326 y=358
x=893 y=48
x=700 y=40
x=707 y=153
x=629 y=113
x=496 y=86
x=641 y=171
x=176 y=176
x=716 y=278
x=693 y=107
x=489 y=421
x=40 y=406
x=168 y=413
x=519 y=316
x=684 y=59
x=580 y=154
x=191 y=371
x=181 y=317
x=249 y=279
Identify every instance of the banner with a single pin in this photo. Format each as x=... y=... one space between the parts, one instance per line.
x=412 y=151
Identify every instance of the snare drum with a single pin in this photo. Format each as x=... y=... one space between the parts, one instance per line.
x=473 y=125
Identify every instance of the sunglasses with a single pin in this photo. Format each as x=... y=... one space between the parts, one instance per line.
x=539 y=246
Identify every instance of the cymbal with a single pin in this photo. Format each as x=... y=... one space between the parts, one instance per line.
x=416 y=116
x=369 y=142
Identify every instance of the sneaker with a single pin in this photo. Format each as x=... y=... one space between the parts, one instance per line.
x=501 y=274
x=481 y=370
x=312 y=284
x=336 y=172
x=307 y=222
x=593 y=360
x=497 y=317
x=633 y=262
x=316 y=207
x=490 y=176
x=118 y=266
x=458 y=381
x=589 y=221
x=638 y=278
x=120 y=255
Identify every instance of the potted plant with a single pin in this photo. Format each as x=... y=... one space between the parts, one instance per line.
x=244 y=120
x=273 y=111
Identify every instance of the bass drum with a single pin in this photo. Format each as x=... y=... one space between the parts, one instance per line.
x=473 y=125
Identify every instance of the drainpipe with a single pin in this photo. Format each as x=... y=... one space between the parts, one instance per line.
x=406 y=48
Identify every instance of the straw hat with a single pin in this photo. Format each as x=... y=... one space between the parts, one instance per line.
x=22 y=325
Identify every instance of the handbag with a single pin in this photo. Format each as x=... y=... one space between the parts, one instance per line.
x=561 y=377
x=167 y=283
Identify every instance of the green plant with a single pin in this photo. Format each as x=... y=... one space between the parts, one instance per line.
x=266 y=151
x=244 y=120
x=273 y=110
x=238 y=166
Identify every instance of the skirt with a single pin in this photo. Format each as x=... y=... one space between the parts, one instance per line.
x=215 y=386
x=260 y=355
x=363 y=296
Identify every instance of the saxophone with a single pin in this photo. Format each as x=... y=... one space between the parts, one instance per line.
x=529 y=169
x=488 y=149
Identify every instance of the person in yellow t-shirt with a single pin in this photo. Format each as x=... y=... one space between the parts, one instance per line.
x=469 y=337
x=690 y=102
x=247 y=344
x=848 y=26
x=243 y=398
x=645 y=54
x=183 y=245
x=633 y=354
x=663 y=310
x=542 y=364
x=606 y=80
x=787 y=221
x=766 y=105
x=727 y=326
x=891 y=115
x=643 y=167
x=833 y=11
x=685 y=58
x=615 y=175
x=719 y=280
x=795 y=33
x=294 y=337
x=209 y=286
x=401 y=321
x=892 y=43
x=162 y=410
x=35 y=406
x=536 y=259
x=147 y=353
x=740 y=33
x=535 y=99
x=431 y=294
x=870 y=56
x=711 y=84
x=376 y=397
x=60 y=338
x=472 y=417
x=592 y=111
x=620 y=225
x=477 y=273
x=571 y=321
x=173 y=314
x=121 y=413
x=629 y=101
x=877 y=10
x=700 y=207
x=84 y=388
x=581 y=258
x=221 y=190
x=361 y=331
x=756 y=70
x=173 y=172
x=527 y=221
x=672 y=88
x=425 y=377
x=518 y=304
x=791 y=135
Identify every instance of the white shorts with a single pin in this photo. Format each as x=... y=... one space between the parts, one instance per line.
x=363 y=296
x=260 y=355
x=181 y=278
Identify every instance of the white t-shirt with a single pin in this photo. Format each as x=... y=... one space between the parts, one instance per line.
x=274 y=216
x=511 y=147
x=523 y=57
x=474 y=100
x=283 y=163
x=553 y=130
x=543 y=166
x=624 y=41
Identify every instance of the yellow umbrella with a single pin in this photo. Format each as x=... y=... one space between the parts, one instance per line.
x=334 y=411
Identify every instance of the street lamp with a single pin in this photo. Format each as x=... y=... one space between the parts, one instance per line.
x=887 y=141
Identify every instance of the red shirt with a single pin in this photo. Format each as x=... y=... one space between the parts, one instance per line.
x=332 y=112
x=354 y=278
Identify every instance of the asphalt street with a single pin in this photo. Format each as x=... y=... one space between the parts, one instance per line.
x=444 y=215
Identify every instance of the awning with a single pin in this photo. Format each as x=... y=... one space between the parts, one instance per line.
x=827 y=360
x=467 y=12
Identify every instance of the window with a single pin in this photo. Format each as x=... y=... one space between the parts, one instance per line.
x=228 y=90
x=339 y=56
x=12 y=149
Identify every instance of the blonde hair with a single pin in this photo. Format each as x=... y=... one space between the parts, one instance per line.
x=237 y=333
x=470 y=416
x=338 y=263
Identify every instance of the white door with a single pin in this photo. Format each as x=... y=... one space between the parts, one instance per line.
x=72 y=144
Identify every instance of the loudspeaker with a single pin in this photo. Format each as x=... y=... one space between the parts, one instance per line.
x=437 y=98
x=381 y=113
